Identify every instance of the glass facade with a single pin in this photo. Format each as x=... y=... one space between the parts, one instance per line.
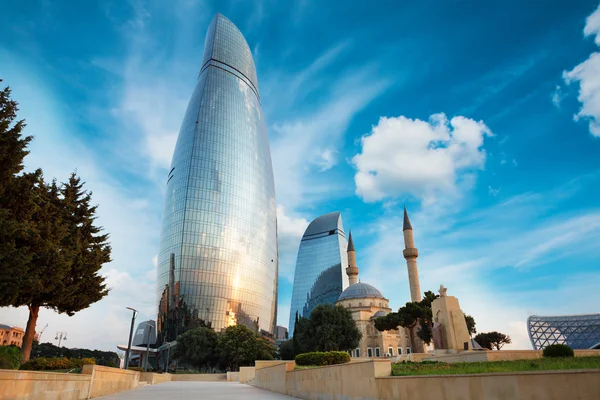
x=320 y=275
x=218 y=249
x=579 y=332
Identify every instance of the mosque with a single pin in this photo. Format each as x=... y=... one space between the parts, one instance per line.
x=366 y=303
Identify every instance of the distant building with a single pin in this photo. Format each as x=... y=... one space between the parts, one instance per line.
x=144 y=338
x=366 y=303
x=11 y=335
x=319 y=277
x=579 y=332
x=282 y=333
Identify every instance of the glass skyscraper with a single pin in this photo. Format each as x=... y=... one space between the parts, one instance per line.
x=218 y=248
x=320 y=275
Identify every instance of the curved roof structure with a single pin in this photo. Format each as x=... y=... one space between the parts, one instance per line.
x=379 y=313
x=361 y=291
x=324 y=223
x=577 y=331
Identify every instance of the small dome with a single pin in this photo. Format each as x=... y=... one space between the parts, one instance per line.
x=361 y=291
x=379 y=313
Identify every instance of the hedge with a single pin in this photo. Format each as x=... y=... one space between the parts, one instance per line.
x=55 y=363
x=10 y=357
x=323 y=358
x=558 y=350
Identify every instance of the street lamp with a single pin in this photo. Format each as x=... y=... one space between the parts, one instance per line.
x=147 y=347
x=128 y=352
x=60 y=336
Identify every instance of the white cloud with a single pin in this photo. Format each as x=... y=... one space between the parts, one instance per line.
x=290 y=230
x=557 y=96
x=588 y=75
x=301 y=144
x=420 y=158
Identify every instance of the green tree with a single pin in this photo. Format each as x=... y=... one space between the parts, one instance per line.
x=415 y=316
x=197 y=347
x=286 y=350
x=238 y=346
x=470 y=325
x=491 y=340
x=50 y=248
x=329 y=328
x=10 y=357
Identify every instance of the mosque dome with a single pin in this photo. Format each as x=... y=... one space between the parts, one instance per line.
x=379 y=313
x=361 y=291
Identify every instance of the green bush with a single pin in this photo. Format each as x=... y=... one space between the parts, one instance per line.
x=10 y=357
x=55 y=363
x=558 y=350
x=323 y=358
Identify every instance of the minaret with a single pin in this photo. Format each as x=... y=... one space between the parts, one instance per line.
x=352 y=270
x=411 y=254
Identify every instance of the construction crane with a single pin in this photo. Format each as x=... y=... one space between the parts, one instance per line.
x=39 y=338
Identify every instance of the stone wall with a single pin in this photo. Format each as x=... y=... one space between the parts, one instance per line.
x=153 y=378
x=40 y=385
x=200 y=377
x=486 y=355
x=107 y=380
x=371 y=380
x=247 y=374
x=233 y=376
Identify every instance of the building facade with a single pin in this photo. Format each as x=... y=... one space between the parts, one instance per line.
x=11 y=335
x=366 y=303
x=218 y=248
x=320 y=276
x=577 y=331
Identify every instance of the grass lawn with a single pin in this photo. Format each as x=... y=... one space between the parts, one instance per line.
x=542 y=364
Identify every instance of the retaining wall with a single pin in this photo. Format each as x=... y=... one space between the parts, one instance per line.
x=371 y=380
x=40 y=385
x=200 y=377
x=107 y=380
x=153 y=378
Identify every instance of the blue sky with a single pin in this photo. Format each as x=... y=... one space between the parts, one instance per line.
x=482 y=117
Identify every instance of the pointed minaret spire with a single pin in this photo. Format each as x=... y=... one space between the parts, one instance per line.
x=352 y=270
x=411 y=254
x=406 y=224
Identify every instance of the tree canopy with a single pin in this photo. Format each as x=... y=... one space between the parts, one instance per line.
x=238 y=346
x=491 y=340
x=197 y=347
x=329 y=328
x=50 y=247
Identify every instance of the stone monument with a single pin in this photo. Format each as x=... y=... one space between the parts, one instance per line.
x=450 y=328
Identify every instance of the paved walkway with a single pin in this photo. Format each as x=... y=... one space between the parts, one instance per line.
x=197 y=390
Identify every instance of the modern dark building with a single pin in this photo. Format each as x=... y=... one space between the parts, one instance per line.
x=217 y=262
x=577 y=331
x=320 y=275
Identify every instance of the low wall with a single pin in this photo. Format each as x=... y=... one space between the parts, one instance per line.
x=547 y=385
x=153 y=378
x=371 y=380
x=247 y=374
x=486 y=355
x=199 y=377
x=233 y=377
x=40 y=385
x=107 y=380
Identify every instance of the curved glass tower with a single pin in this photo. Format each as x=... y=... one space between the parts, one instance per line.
x=320 y=275
x=218 y=249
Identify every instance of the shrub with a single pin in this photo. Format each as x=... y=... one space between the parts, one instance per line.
x=558 y=350
x=138 y=369
x=10 y=357
x=55 y=363
x=323 y=358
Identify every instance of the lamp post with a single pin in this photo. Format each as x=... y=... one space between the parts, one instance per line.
x=128 y=352
x=60 y=336
x=147 y=347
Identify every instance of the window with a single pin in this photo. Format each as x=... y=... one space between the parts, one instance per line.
x=377 y=354
x=399 y=351
x=408 y=350
x=357 y=352
x=391 y=351
x=369 y=352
